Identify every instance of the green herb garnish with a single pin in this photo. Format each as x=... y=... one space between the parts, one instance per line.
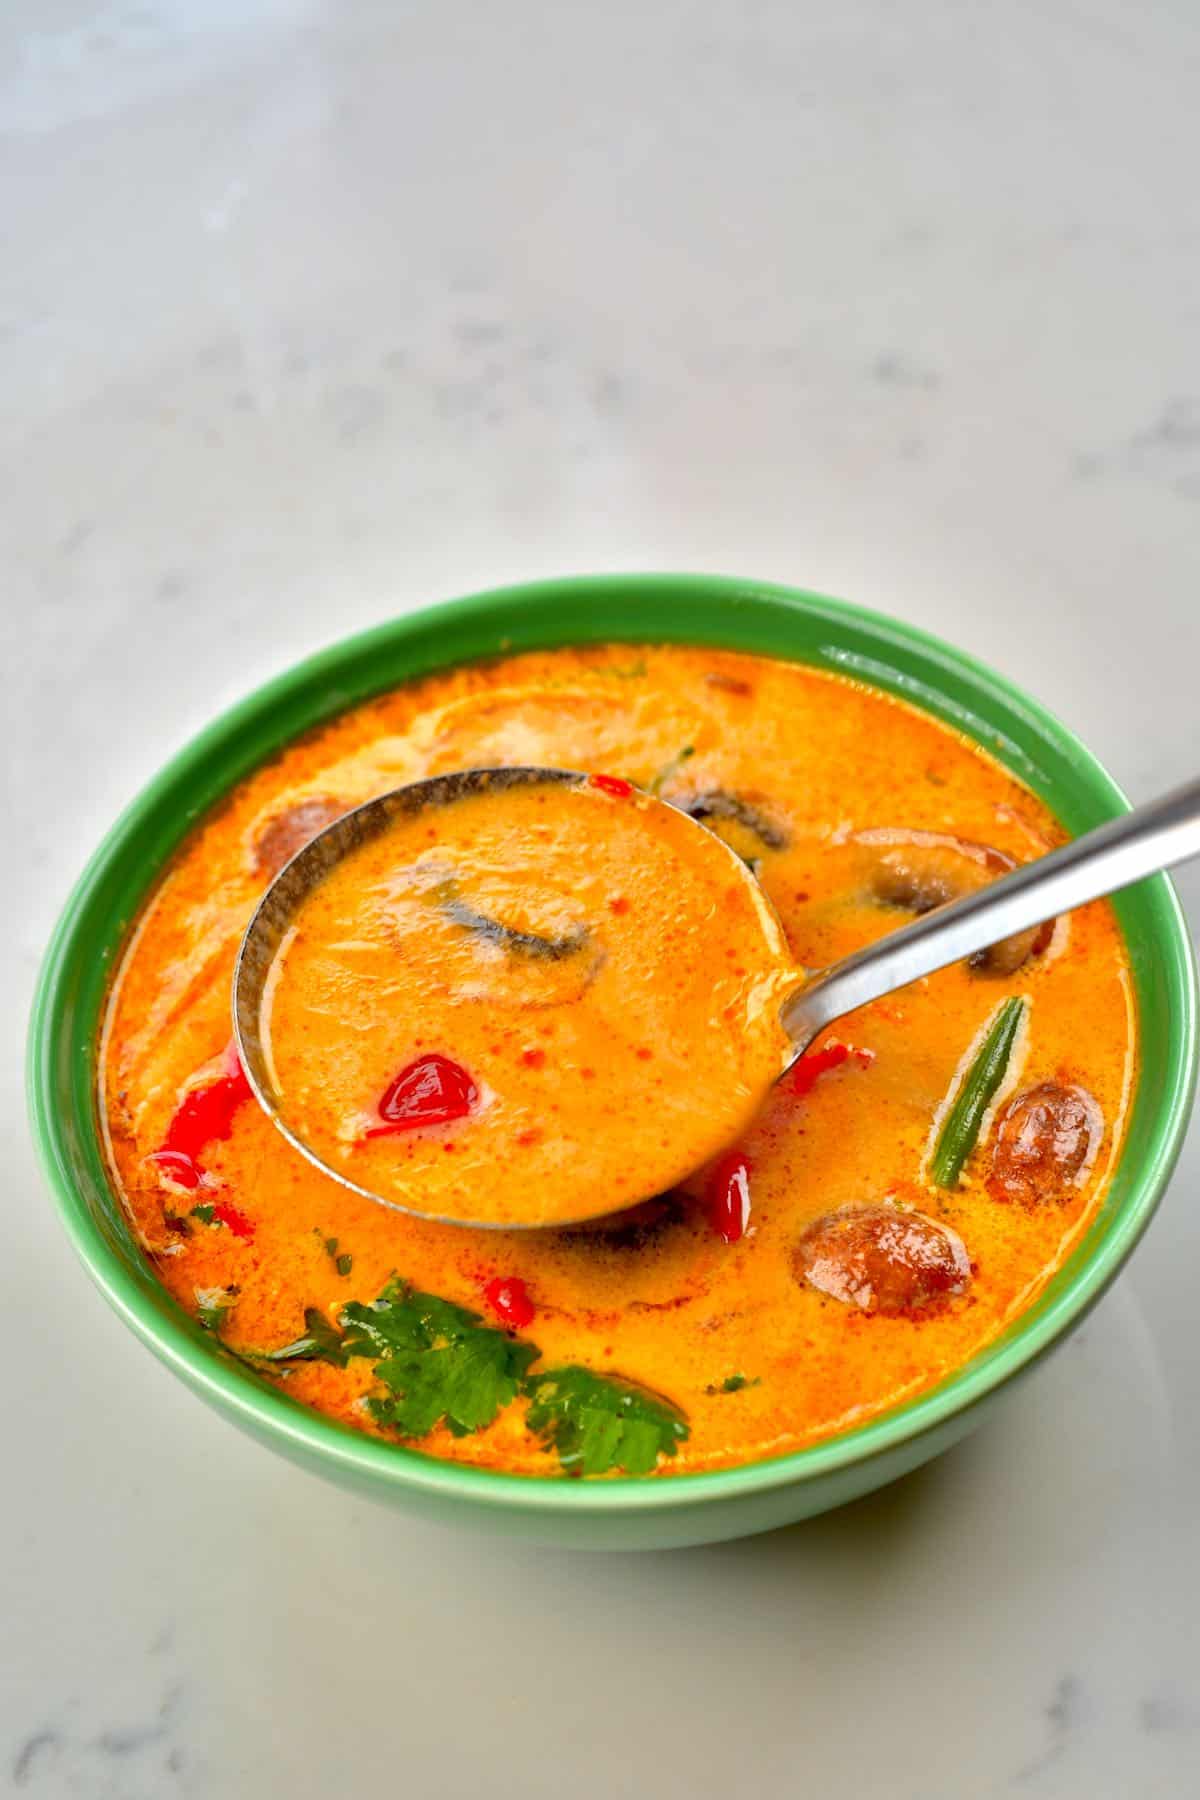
x=671 y=769
x=320 y=1342
x=599 y=1422
x=213 y=1306
x=343 y=1263
x=441 y=1363
x=733 y=1384
x=960 y=1129
x=204 y=1213
x=437 y=1360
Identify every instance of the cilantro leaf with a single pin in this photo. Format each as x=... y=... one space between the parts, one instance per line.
x=321 y=1342
x=670 y=769
x=213 y=1305
x=342 y=1261
x=601 y=1422
x=437 y=1360
x=733 y=1384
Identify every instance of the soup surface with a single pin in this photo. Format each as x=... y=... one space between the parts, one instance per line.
x=528 y=1003
x=905 y=1191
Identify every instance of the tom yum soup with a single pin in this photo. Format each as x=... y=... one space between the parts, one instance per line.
x=524 y=1000
x=454 y=1022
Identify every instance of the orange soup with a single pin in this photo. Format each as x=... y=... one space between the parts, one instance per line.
x=525 y=1001
x=907 y=1188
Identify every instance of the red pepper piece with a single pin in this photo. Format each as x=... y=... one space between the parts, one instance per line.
x=202 y=1117
x=431 y=1091
x=206 y=1114
x=176 y=1166
x=815 y=1063
x=729 y=1196
x=234 y=1220
x=509 y=1299
x=616 y=785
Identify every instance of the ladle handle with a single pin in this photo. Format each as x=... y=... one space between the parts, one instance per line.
x=1139 y=843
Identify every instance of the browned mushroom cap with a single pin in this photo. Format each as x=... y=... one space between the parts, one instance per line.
x=882 y=1259
x=716 y=803
x=290 y=830
x=1044 y=1142
x=919 y=870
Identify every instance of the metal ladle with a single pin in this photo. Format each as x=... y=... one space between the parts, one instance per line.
x=1153 y=837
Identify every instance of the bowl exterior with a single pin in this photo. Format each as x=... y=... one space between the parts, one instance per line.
x=619 y=1513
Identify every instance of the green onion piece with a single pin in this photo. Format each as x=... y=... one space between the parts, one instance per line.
x=960 y=1128
x=671 y=769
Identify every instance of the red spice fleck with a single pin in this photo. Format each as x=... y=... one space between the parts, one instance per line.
x=616 y=785
x=588 y=1074
x=509 y=1299
x=234 y=1220
x=618 y=904
x=814 y=1063
x=644 y=1054
x=730 y=684
x=528 y=1137
x=533 y=1059
x=431 y=1091
x=729 y=1196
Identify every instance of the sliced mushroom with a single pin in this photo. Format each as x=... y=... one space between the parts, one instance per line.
x=717 y=804
x=882 y=1259
x=512 y=938
x=920 y=870
x=728 y=684
x=288 y=832
x=1044 y=1142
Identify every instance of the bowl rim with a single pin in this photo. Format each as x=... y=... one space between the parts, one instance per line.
x=273 y=1416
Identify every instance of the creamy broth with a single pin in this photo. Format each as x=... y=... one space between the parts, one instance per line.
x=527 y=1005
x=813 y=1276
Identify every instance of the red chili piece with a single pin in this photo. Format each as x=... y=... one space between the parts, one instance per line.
x=616 y=785
x=729 y=1196
x=431 y=1091
x=206 y=1114
x=178 y=1167
x=201 y=1118
x=509 y=1299
x=815 y=1063
x=234 y=1220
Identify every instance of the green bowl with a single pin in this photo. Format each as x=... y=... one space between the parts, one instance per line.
x=620 y=1513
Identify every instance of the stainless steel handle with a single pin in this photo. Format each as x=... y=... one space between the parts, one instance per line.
x=1140 y=843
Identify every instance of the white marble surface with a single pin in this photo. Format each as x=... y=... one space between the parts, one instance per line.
x=310 y=312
